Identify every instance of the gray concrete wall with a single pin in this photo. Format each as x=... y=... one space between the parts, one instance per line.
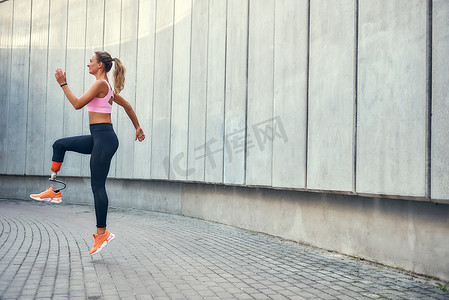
x=440 y=102
x=410 y=235
x=306 y=95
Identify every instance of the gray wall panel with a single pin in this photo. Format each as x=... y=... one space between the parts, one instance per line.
x=331 y=96
x=198 y=88
x=54 y=106
x=128 y=55
x=162 y=88
x=216 y=68
x=6 y=21
x=144 y=85
x=440 y=101
x=391 y=117
x=290 y=93
x=235 y=97
x=76 y=71
x=37 y=88
x=18 y=94
x=259 y=146
x=112 y=25
x=94 y=42
x=181 y=92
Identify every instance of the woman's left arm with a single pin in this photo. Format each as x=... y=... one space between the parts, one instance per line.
x=131 y=114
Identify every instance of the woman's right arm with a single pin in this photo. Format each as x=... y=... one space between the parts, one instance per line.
x=77 y=103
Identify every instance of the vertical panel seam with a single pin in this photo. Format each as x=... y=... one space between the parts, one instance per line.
x=307 y=96
x=28 y=87
x=223 y=131
x=206 y=96
x=189 y=91
x=273 y=104
x=119 y=55
x=192 y=10
x=167 y=159
x=85 y=45
x=65 y=59
x=152 y=87
x=135 y=78
x=104 y=24
x=83 y=115
x=171 y=83
x=46 y=85
x=355 y=106
x=117 y=128
x=152 y=97
x=120 y=32
x=152 y=91
x=245 y=152
x=429 y=40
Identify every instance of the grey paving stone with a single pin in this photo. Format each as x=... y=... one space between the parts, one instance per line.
x=160 y=256
x=279 y=297
x=345 y=297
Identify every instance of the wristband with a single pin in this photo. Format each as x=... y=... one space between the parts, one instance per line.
x=62 y=84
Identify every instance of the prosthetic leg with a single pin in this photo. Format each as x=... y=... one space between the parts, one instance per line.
x=53 y=179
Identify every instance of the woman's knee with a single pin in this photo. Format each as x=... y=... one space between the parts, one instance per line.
x=59 y=144
x=98 y=186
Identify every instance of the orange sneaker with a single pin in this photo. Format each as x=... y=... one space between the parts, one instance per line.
x=48 y=195
x=101 y=241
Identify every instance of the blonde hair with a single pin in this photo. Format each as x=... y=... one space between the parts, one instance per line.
x=119 y=71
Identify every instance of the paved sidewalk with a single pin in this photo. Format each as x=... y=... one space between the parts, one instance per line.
x=44 y=254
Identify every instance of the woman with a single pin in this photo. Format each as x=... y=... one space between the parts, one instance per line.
x=102 y=143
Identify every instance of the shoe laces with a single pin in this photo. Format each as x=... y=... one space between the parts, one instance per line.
x=48 y=192
x=99 y=239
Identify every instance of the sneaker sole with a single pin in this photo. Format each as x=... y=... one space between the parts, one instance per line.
x=105 y=243
x=52 y=200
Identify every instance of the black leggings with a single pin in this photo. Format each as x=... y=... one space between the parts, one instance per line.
x=102 y=145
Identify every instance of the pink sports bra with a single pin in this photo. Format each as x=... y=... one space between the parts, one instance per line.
x=101 y=105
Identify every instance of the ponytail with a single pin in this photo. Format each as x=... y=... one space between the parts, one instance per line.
x=119 y=76
x=119 y=71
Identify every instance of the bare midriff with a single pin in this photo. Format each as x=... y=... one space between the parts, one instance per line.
x=96 y=117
